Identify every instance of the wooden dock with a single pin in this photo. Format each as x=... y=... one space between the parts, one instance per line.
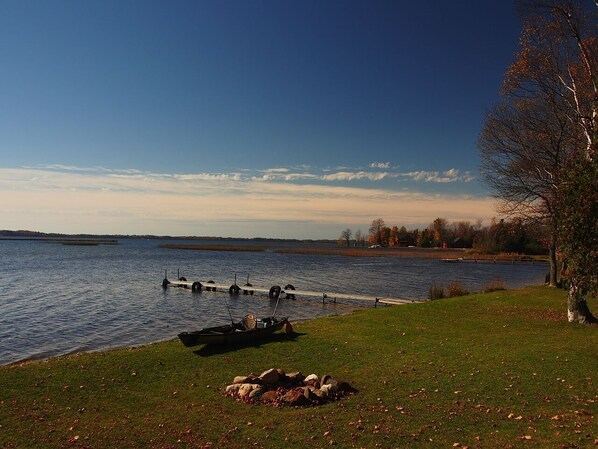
x=349 y=296
x=276 y=291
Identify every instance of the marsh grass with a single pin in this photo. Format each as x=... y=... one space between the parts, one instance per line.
x=502 y=369
x=242 y=248
x=436 y=292
x=494 y=285
x=455 y=289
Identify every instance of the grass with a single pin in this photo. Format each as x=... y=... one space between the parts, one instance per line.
x=496 y=370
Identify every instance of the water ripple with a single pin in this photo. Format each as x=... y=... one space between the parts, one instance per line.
x=58 y=299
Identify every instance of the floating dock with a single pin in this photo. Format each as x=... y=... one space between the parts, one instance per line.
x=276 y=291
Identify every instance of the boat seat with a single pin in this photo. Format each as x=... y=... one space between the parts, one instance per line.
x=249 y=322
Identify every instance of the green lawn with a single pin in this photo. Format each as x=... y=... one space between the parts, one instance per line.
x=495 y=370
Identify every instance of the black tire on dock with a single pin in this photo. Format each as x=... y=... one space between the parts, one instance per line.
x=289 y=287
x=183 y=278
x=247 y=292
x=210 y=289
x=274 y=292
x=233 y=290
x=196 y=287
x=165 y=283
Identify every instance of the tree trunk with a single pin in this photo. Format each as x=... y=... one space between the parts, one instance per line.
x=553 y=280
x=577 y=307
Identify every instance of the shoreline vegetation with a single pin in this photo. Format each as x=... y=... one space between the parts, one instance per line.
x=66 y=240
x=502 y=369
x=280 y=246
x=462 y=255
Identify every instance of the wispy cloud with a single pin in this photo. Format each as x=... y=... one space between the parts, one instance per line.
x=380 y=165
x=98 y=200
x=452 y=175
x=352 y=176
x=348 y=174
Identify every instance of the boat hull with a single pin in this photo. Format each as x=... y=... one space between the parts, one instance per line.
x=229 y=334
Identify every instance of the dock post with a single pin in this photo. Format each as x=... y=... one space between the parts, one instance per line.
x=376 y=303
x=323 y=297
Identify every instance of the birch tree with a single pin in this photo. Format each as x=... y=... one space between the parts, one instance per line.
x=559 y=56
x=559 y=60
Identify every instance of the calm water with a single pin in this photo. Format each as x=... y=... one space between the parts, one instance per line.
x=57 y=299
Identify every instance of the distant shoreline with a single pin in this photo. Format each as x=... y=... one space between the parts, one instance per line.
x=65 y=240
x=280 y=246
x=449 y=254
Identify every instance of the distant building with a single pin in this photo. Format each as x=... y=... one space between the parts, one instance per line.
x=458 y=243
x=405 y=239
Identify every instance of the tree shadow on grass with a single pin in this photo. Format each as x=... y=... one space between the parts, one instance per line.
x=208 y=350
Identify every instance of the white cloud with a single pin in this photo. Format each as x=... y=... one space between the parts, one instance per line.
x=451 y=175
x=275 y=170
x=353 y=176
x=97 y=201
x=209 y=177
x=380 y=165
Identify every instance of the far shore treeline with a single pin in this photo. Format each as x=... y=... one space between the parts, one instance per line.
x=36 y=235
x=500 y=236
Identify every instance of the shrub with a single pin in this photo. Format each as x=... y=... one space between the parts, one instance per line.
x=436 y=292
x=495 y=285
x=456 y=289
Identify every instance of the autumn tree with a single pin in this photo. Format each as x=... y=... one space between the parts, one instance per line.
x=465 y=231
x=394 y=236
x=556 y=70
x=425 y=238
x=439 y=228
x=559 y=55
x=376 y=231
x=385 y=236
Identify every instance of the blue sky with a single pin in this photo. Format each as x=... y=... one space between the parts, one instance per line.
x=306 y=116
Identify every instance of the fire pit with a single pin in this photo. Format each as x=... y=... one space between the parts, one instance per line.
x=276 y=388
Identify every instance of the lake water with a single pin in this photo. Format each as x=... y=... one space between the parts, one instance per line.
x=58 y=299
